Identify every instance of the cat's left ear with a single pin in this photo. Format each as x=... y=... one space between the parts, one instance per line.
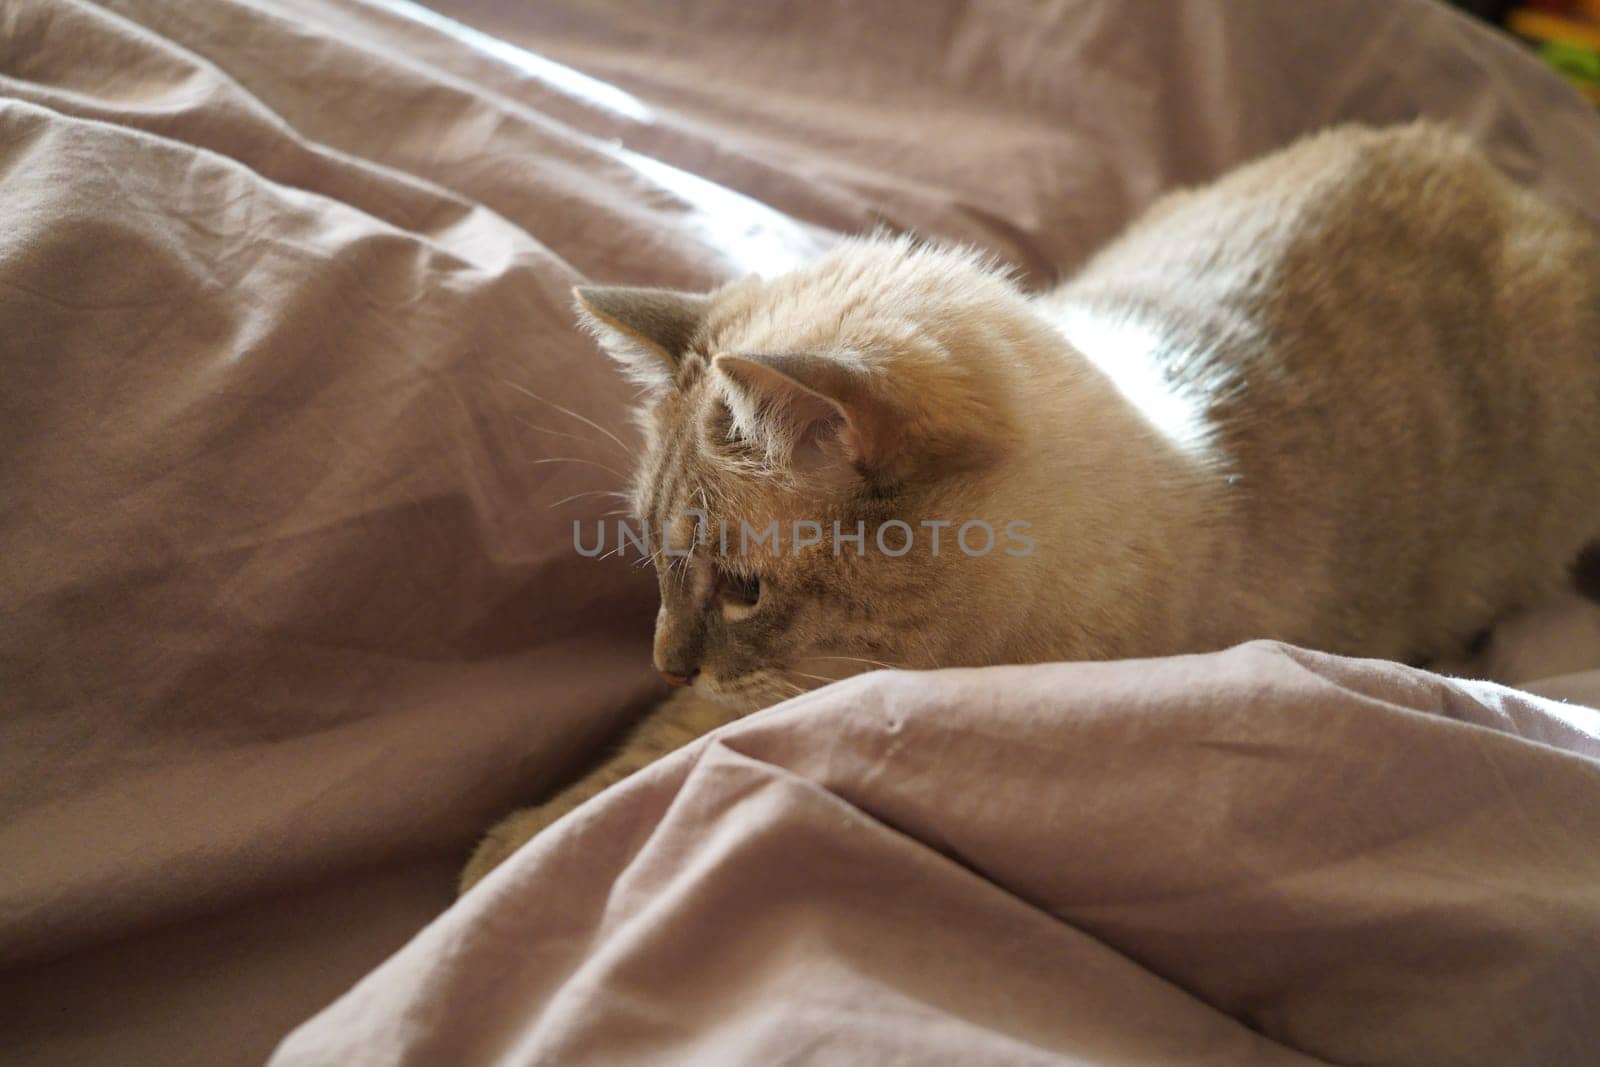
x=647 y=331
x=821 y=412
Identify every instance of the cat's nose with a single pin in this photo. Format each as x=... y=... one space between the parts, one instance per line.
x=678 y=681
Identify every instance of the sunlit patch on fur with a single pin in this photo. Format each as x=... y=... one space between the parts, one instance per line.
x=1131 y=354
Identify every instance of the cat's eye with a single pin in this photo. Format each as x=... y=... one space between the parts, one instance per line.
x=742 y=590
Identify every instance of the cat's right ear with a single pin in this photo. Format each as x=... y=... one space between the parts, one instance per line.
x=647 y=331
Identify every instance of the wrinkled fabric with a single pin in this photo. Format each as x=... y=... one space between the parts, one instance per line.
x=294 y=424
x=1263 y=855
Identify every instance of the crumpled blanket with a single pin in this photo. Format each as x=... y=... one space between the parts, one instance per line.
x=294 y=421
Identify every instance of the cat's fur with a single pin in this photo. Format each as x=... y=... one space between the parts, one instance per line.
x=1374 y=427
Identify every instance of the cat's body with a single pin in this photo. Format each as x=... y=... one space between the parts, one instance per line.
x=1347 y=397
x=1404 y=355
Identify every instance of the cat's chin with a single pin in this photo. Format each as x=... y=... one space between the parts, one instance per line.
x=740 y=704
x=749 y=695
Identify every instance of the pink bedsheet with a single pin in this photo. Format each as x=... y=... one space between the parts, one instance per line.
x=290 y=611
x=1260 y=856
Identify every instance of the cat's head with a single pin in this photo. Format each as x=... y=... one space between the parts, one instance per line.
x=871 y=389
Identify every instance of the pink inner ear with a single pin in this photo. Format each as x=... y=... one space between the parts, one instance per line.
x=820 y=427
x=824 y=441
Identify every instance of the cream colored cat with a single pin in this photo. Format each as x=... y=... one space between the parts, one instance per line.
x=1347 y=397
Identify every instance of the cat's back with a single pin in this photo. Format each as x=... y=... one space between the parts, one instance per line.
x=1347 y=213
x=1399 y=352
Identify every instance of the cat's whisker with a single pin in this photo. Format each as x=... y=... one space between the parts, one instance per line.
x=589 y=492
x=814 y=677
x=555 y=433
x=524 y=390
x=868 y=662
x=578 y=459
x=785 y=686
